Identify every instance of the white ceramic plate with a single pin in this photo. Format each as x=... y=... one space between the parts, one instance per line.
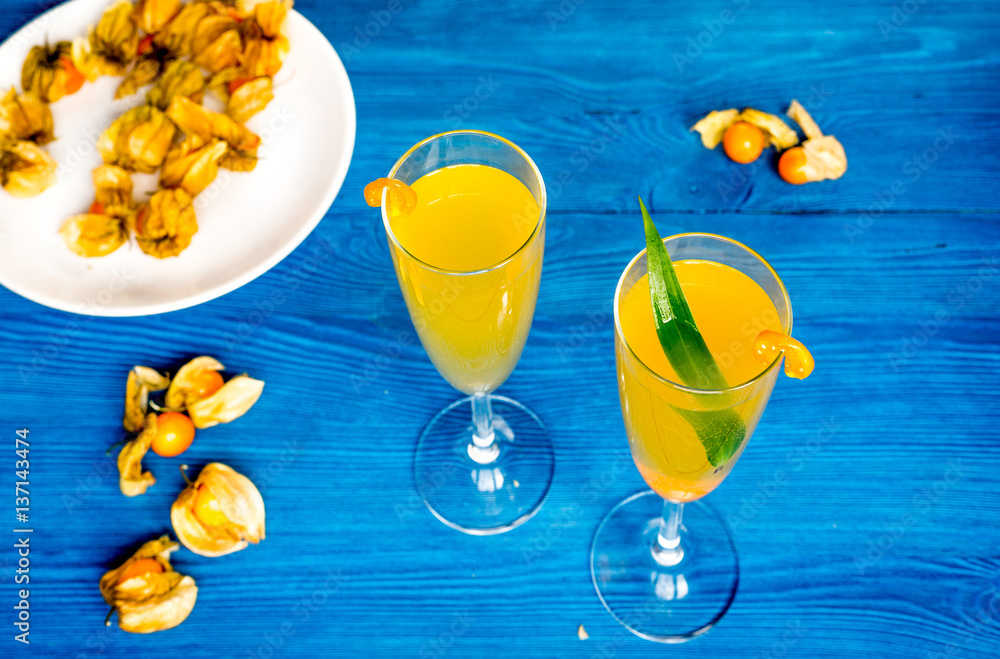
x=247 y=222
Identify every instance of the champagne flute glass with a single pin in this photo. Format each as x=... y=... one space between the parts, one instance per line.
x=469 y=263
x=664 y=564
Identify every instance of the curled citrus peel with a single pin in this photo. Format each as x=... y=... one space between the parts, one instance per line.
x=402 y=199
x=769 y=344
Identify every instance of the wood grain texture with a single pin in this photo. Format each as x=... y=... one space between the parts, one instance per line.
x=892 y=424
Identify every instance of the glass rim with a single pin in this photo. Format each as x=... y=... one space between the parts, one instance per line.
x=677 y=385
x=542 y=202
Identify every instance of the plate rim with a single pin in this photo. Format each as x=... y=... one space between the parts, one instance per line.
x=139 y=310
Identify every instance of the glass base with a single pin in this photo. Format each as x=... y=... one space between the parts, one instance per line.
x=484 y=491
x=664 y=603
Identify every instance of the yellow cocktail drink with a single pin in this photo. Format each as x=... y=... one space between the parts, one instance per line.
x=471 y=275
x=668 y=424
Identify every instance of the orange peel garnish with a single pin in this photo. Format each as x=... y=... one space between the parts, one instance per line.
x=402 y=199
x=799 y=361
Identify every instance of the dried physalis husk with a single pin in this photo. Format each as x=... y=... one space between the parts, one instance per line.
x=229 y=403
x=185 y=385
x=152 y=15
x=132 y=480
x=713 y=127
x=25 y=117
x=26 y=169
x=145 y=71
x=103 y=229
x=216 y=42
x=804 y=120
x=50 y=72
x=93 y=235
x=166 y=224
x=825 y=156
x=148 y=595
x=271 y=16
x=192 y=169
x=197 y=121
x=262 y=55
x=138 y=140
x=141 y=381
x=249 y=98
x=112 y=46
x=775 y=130
x=180 y=78
x=221 y=83
x=218 y=514
x=113 y=192
x=176 y=36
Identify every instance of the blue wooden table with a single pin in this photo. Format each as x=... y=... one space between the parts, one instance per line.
x=865 y=509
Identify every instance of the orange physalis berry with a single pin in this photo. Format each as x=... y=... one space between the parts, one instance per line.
x=208 y=509
x=141 y=567
x=146 y=45
x=769 y=344
x=743 y=142
x=402 y=198
x=205 y=383
x=76 y=79
x=174 y=434
x=791 y=167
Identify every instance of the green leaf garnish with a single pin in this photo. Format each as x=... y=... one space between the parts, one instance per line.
x=720 y=431
x=682 y=343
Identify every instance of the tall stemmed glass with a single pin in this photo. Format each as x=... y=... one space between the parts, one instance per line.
x=663 y=563
x=484 y=464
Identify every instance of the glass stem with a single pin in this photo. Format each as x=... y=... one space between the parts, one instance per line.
x=483 y=448
x=666 y=549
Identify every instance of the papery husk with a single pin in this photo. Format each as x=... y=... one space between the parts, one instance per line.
x=271 y=16
x=154 y=601
x=165 y=225
x=775 y=130
x=198 y=121
x=825 y=156
x=230 y=402
x=93 y=235
x=132 y=480
x=145 y=71
x=216 y=42
x=804 y=120
x=825 y=159
x=26 y=117
x=138 y=140
x=141 y=381
x=218 y=83
x=43 y=73
x=180 y=78
x=26 y=169
x=713 y=126
x=112 y=46
x=249 y=99
x=240 y=502
x=179 y=32
x=153 y=15
x=192 y=169
x=113 y=191
x=262 y=55
x=181 y=391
